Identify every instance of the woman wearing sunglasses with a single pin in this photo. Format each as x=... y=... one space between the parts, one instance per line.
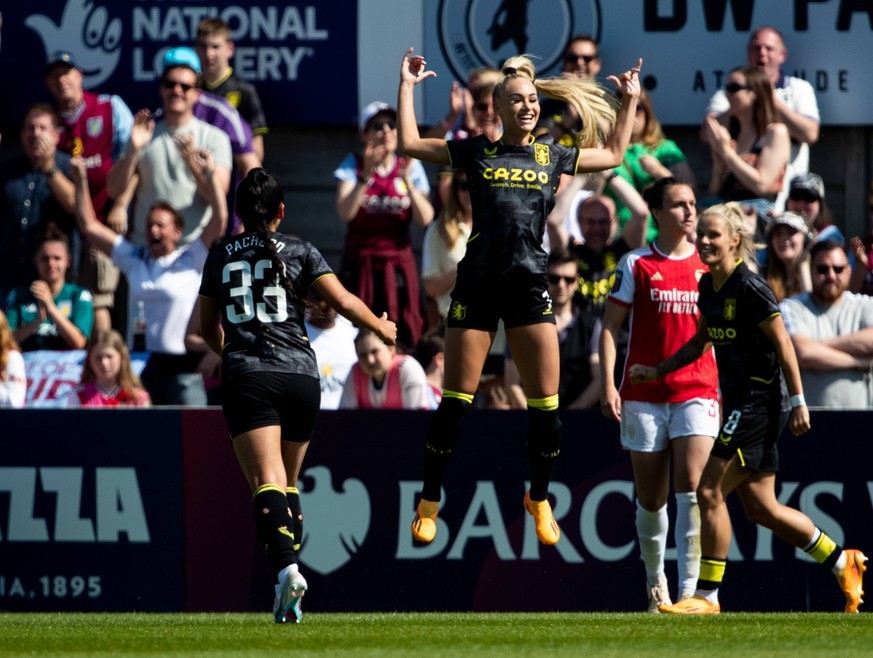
x=503 y=273
x=675 y=419
x=379 y=195
x=750 y=147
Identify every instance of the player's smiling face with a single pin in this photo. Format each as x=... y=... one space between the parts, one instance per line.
x=715 y=242
x=518 y=106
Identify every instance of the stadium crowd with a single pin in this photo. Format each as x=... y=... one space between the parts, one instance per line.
x=758 y=127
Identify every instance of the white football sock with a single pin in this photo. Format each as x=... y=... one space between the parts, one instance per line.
x=652 y=528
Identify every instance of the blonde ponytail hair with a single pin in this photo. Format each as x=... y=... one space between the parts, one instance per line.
x=732 y=214
x=596 y=106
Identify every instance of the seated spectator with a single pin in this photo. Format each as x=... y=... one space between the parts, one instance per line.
x=34 y=190
x=578 y=334
x=599 y=253
x=649 y=156
x=806 y=197
x=787 y=269
x=383 y=379
x=379 y=195
x=165 y=276
x=445 y=243
x=51 y=314
x=750 y=147
x=332 y=338
x=831 y=331
x=564 y=221
x=107 y=377
x=430 y=353
x=13 y=380
x=793 y=99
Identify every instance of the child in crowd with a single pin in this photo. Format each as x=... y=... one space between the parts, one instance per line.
x=383 y=379
x=107 y=377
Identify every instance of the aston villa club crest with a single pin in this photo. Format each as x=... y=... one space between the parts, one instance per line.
x=458 y=311
x=94 y=126
x=730 y=309
x=541 y=154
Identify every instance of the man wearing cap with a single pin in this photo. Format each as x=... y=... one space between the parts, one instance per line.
x=794 y=99
x=97 y=128
x=832 y=332
x=163 y=153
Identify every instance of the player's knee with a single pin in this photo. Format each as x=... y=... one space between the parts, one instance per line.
x=758 y=514
x=544 y=431
x=445 y=425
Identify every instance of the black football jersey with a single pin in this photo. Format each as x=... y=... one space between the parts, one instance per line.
x=746 y=357
x=512 y=189
x=263 y=322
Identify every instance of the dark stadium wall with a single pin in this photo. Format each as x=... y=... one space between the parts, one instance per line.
x=147 y=510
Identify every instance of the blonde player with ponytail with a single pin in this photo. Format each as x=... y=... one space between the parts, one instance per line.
x=503 y=273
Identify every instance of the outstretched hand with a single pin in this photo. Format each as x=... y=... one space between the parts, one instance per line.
x=413 y=68
x=387 y=330
x=628 y=82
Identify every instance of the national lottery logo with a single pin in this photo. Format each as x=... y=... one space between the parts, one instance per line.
x=475 y=33
x=86 y=31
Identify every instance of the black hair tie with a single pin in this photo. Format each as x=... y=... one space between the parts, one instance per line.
x=510 y=70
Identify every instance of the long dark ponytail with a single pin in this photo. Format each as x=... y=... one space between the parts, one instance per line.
x=258 y=199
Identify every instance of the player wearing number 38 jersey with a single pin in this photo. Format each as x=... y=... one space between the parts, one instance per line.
x=251 y=313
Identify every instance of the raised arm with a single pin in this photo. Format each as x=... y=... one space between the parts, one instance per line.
x=206 y=168
x=124 y=168
x=353 y=309
x=612 y=153
x=101 y=236
x=409 y=140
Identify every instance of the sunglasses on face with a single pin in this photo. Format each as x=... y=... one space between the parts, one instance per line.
x=734 y=87
x=483 y=107
x=572 y=59
x=803 y=196
x=555 y=279
x=824 y=269
x=172 y=84
x=387 y=124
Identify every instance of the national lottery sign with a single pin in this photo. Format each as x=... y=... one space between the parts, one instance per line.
x=316 y=62
x=287 y=49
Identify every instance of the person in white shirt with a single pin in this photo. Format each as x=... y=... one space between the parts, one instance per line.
x=794 y=98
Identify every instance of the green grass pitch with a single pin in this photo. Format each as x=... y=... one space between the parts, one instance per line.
x=434 y=635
